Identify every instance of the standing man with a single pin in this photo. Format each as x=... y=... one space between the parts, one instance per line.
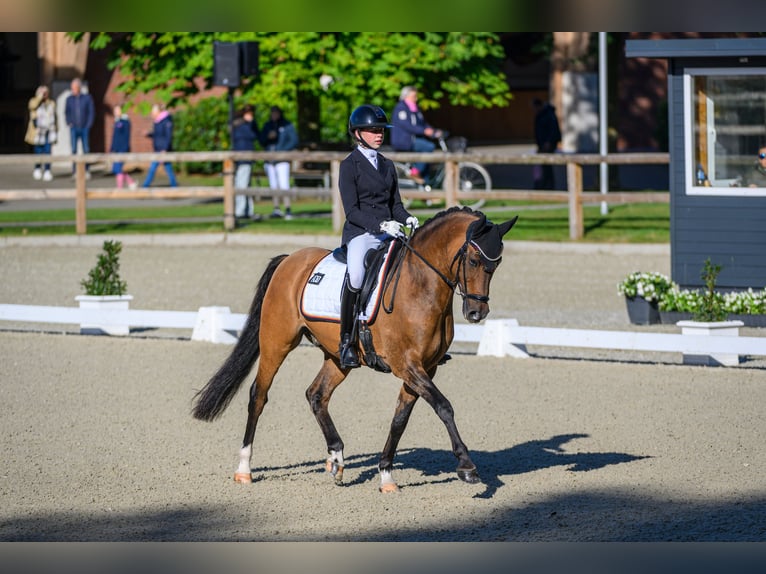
x=278 y=134
x=547 y=137
x=244 y=135
x=410 y=131
x=79 y=113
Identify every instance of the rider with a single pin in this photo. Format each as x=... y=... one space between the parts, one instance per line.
x=409 y=128
x=369 y=190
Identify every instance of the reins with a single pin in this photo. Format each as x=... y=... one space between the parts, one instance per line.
x=451 y=283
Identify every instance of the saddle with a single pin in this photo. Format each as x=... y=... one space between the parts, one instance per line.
x=373 y=260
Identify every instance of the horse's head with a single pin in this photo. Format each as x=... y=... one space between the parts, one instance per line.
x=476 y=262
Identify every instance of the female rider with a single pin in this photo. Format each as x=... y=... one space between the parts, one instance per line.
x=369 y=190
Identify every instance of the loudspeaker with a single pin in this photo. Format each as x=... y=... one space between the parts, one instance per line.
x=226 y=64
x=249 y=58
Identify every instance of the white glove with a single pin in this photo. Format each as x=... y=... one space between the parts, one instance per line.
x=412 y=222
x=393 y=228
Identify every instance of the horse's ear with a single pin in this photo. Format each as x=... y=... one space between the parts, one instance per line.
x=506 y=227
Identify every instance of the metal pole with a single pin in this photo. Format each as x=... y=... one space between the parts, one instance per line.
x=602 y=139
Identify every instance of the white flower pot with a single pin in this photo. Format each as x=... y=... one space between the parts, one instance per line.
x=718 y=329
x=104 y=303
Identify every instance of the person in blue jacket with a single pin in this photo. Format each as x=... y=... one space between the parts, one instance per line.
x=278 y=134
x=244 y=134
x=411 y=132
x=79 y=113
x=121 y=144
x=162 y=141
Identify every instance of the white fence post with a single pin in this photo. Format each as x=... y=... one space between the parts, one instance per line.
x=496 y=340
x=210 y=326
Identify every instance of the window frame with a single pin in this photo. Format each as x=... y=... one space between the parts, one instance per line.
x=689 y=141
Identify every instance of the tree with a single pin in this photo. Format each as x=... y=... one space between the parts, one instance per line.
x=333 y=70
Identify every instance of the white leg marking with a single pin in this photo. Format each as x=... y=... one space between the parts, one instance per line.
x=336 y=456
x=386 y=478
x=244 y=459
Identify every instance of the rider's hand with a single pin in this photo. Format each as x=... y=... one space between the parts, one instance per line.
x=392 y=228
x=412 y=222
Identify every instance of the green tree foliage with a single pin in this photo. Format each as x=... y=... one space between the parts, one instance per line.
x=462 y=68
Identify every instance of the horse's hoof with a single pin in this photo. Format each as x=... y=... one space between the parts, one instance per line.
x=336 y=470
x=470 y=476
x=388 y=487
x=243 y=477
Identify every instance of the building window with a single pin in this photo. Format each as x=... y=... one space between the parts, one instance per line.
x=725 y=119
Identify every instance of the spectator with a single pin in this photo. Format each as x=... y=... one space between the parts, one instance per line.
x=79 y=113
x=162 y=141
x=121 y=144
x=41 y=130
x=756 y=177
x=547 y=137
x=244 y=136
x=410 y=131
x=278 y=134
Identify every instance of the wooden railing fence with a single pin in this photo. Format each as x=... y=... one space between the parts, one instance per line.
x=450 y=194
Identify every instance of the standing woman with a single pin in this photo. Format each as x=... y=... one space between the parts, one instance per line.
x=41 y=129
x=121 y=144
x=369 y=190
x=162 y=141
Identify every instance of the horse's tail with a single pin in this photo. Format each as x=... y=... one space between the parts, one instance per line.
x=216 y=395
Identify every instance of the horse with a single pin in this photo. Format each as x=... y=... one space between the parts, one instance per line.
x=457 y=249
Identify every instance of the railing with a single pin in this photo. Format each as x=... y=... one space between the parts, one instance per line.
x=574 y=195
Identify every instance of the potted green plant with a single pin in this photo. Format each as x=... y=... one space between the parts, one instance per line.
x=710 y=318
x=105 y=290
x=642 y=292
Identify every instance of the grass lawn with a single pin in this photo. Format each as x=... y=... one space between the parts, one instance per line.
x=631 y=223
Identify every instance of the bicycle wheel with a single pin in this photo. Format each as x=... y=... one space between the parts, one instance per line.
x=473 y=177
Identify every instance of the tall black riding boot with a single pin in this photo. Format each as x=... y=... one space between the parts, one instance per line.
x=349 y=357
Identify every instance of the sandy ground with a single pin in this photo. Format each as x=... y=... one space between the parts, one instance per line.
x=98 y=443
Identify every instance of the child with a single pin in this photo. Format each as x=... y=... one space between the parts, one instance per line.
x=121 y=144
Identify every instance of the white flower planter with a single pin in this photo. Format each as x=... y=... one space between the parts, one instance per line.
x=718 y=329
x=104 y=303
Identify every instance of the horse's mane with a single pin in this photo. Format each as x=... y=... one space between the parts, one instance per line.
x=436 y=219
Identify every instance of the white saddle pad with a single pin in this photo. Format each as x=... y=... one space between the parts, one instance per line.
x=321 y=294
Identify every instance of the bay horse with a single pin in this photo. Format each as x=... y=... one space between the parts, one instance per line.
x=457 y=249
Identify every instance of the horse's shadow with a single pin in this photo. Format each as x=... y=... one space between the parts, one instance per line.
x=492 y=465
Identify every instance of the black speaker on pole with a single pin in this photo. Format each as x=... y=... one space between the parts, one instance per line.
x=249 y=54
x=226 y=64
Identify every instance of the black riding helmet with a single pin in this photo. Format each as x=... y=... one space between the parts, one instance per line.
x=366 y=116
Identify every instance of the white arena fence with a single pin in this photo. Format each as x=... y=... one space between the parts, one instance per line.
x=495 y=337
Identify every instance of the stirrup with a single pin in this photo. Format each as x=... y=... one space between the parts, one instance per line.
x=349 y=356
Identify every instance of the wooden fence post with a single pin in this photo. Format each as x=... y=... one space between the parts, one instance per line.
x=337 y=206
x=80 y=200
x=574 y=185
x=229 y=222
x=451 y=182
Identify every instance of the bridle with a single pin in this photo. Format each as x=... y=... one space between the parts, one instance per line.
x=489 y=263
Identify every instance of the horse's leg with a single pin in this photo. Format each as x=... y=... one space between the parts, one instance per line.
x=272 y=356
x=405 y=402
x=318 y=395
x=422 y=384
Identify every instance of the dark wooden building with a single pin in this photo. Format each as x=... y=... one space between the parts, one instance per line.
x=717 y=125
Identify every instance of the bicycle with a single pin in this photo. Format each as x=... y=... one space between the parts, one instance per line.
x=472 y=176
